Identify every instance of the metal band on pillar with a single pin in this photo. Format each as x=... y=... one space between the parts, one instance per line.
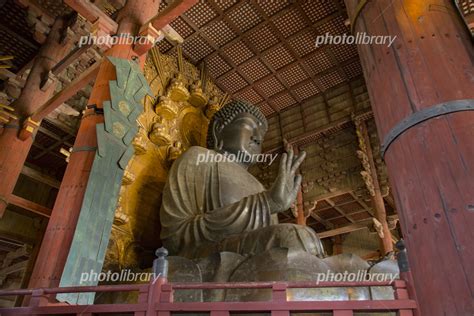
x=10 y=126
x=424 y=115
x=358 y=10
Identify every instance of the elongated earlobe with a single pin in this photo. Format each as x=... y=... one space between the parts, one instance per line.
x=220 y=145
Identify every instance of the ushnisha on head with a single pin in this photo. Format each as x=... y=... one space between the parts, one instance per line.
x=238 y=127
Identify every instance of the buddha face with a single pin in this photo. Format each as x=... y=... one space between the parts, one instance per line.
x=244 y=134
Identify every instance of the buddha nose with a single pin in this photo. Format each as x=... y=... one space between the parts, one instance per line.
x=256 y=140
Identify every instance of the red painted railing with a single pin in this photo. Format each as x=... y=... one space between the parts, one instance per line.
x=157 y=299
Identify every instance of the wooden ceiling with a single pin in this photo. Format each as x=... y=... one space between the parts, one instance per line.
x=264 y=51
x=15 y=36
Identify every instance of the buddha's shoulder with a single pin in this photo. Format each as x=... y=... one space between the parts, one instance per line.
x=196 y=152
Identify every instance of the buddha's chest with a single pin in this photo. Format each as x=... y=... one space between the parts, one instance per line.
x=236 y=183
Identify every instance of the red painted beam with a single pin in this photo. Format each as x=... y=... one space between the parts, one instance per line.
x=92 y=13
x=69 y=59
x=170 y=13
x=64 y=95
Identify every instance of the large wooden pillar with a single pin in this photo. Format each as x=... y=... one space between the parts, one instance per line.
x=422 y=89
x=13 y=150
x=62 y=224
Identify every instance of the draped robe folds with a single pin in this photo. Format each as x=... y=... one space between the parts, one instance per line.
x=217 y=205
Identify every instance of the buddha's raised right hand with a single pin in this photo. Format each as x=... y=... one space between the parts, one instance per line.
x=285 y=188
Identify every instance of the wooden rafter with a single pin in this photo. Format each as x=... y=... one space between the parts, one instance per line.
x=339 y=210
x=170 y=13
x=92 y=13
x=29 y=205
x=326 y=223
x=342 y=230
x=53 y=146
x=350 y=228
x=364 y=205
x=53 y=135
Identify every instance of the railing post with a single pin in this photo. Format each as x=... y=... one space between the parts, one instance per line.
x=405 y=274
x=158 y=283
x=279 y=295
x=143 y=295
x=38 y=298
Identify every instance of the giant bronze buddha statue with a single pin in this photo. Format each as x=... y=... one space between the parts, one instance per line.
x=212 y=204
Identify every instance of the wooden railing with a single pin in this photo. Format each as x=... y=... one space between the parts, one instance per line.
x=156 y=298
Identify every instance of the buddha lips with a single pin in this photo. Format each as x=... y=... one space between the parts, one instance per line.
x=240 y=157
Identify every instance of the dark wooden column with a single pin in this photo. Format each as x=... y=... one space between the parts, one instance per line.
x=373 y=186
x=300 y=219
x=416 y=88
x=37 y=90
x=60 y=231
x=337 y=247
x=299 y=205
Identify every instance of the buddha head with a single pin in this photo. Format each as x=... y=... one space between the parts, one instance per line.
x=237 y=128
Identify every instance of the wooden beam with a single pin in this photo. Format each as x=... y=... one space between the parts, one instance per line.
x=40 y=177
x=62 y=126
x=371 y=255
x=53 y=146
x=54 y=136
x=66 y=93
x=13 y=268
x=364 y=205
x=92 y=13
x=29 y=206
x=388 y=198
x=339 y=210
x=323 y=130
x=350 y=228
x=337 y=245
x=16 y=239
x=23 y=251
x=170 y=13
x=342 y=230
x=326 y=223
x=70 y=58
x=41 y=147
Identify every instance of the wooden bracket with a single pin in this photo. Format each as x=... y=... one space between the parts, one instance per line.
x=29 y=127
x=101 y=29
x=147 y=37
x=47 y=81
